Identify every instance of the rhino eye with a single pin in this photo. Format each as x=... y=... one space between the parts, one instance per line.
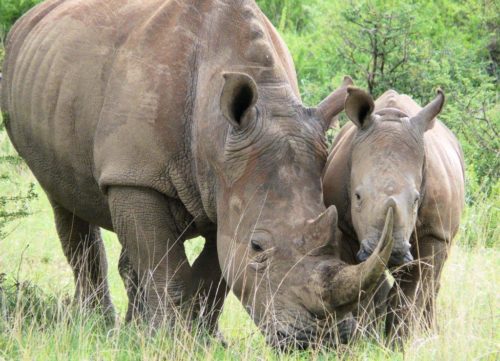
x=357 y=195
x=256 y=247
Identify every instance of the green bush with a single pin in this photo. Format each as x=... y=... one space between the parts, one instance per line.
x=14 y=199
x=289 y=15
x=11 y=10
x=412 y=47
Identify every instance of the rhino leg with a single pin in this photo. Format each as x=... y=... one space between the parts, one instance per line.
x=136 y=300
x=146 y=223
x=212 y=288
x=372 y=310
x=412 y=299
x=83 y=247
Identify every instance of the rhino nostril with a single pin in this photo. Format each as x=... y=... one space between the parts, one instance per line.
x=365 y=250
x=400 y=258
x=408 y=257
x=362 y=255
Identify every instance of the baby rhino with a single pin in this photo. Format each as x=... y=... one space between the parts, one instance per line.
x=394 y=154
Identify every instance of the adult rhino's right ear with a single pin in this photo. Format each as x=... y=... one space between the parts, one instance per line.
x=330 y=108
x=359 y=107
x=238 y=98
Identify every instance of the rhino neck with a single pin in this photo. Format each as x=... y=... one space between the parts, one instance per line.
x=237 y=38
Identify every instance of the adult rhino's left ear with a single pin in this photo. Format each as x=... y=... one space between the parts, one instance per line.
x=426 y=118
x=238 y=98
x=333 y=104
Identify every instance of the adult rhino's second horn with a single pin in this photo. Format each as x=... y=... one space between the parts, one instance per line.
x=351 y=282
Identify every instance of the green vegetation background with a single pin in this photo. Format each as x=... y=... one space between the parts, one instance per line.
x=411 y=46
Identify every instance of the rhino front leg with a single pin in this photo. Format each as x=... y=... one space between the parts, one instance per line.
x=145 y=222
x=413 y=297
x=212 y=288
x=136 y=301
x=83 y=247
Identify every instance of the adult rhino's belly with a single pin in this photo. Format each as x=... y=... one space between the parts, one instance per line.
x=57 y=94
x=66 y=176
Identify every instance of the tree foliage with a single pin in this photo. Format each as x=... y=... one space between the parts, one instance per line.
x=11 y=10
x=15 y=201
x=412 y=47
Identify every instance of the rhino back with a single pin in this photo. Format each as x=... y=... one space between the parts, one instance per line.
x=54 y=86
x=83 y=98
x=104 y=93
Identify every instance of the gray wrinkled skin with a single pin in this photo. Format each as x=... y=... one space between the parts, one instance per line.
x=164 y=120
x=396 y=154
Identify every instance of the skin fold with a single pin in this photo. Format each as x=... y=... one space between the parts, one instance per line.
x=166 y=120
x=396 y=154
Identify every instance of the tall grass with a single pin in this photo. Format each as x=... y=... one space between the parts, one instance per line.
x=36 y=324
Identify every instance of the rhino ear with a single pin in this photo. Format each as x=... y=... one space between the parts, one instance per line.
x=238 y=98
x=333 y=104
x=426 y=118
x=359 y=107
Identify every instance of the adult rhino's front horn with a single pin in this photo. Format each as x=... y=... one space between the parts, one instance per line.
x=351 y=282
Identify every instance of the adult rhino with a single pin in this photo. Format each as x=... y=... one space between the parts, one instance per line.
x=164 y=120
x=394 y=154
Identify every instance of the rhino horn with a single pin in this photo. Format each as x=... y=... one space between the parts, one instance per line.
x=320 y=232
x=353 y=281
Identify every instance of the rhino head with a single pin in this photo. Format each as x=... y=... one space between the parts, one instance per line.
x=387 y=170
x=276 y=240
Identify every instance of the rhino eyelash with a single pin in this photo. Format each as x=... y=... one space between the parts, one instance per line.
x=258 y=266
x=263 y=256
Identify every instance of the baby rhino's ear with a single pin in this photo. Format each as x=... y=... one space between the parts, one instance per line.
x=359 y=107
x=426 y=118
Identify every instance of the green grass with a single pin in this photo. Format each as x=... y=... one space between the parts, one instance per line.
x=37 y=323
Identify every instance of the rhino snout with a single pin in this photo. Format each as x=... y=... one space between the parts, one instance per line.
x=400 y=255
x=400 y=258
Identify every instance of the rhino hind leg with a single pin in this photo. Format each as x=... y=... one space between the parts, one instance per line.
x=157 y=274
x=83 y=247
x=411 y=303
x=212 y=288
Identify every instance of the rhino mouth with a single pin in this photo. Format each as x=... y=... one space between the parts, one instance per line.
x=397 y=258
x=319 y=333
